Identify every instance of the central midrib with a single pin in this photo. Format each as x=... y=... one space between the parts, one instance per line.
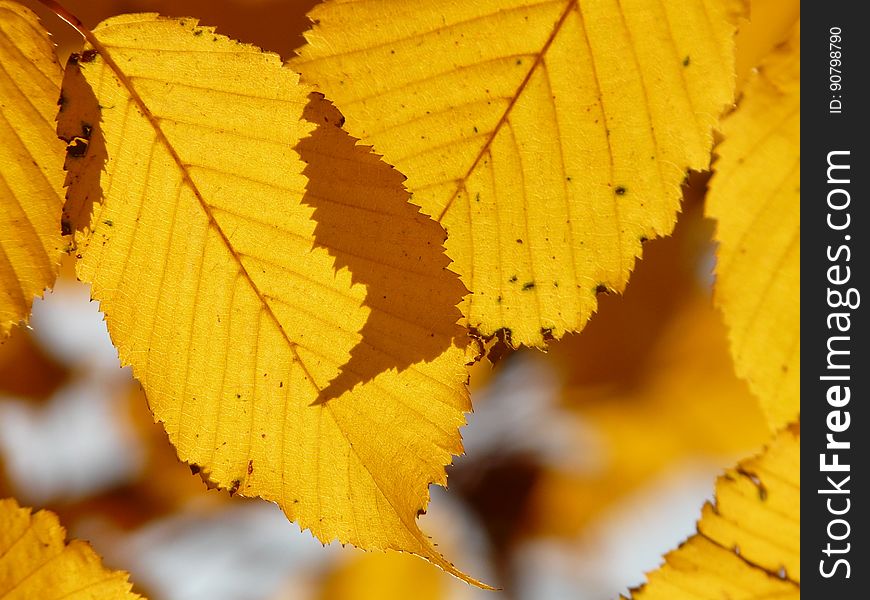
x=504 y=117
x=161 y=135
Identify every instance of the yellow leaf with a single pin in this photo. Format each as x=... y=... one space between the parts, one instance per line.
x=383 y=577
x=37 y=562
x=770 y=24
x=31 y=161
x=549 y=138
x=748 y=545
x=275 y=369
x=755 y=199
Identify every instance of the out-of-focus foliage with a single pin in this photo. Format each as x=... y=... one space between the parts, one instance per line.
x=346 y=424
x=383 y=577
x=770 y=23
x=652 y=384
x=748 y=543
x=26 y=369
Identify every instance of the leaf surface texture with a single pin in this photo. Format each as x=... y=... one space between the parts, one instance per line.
x=37 y=562
x=550 y=138
x=31 y=163
x=237 y=309
x=755 y=199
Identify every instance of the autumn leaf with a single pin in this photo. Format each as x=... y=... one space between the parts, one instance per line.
x=770 y=24
x=748 y=543
x=224 y=278
x=383 y=577
x=549 y=138
x=37 y=562
x=31 y=160
x=755 y=199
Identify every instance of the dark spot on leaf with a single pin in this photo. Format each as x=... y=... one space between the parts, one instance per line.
x=195 y=468
x=108 y=222
x=762 y=489
x=620 y=191
x=88 y=56
x=601 y=289
x=77 y=147
x=528 y=285
x=513 y=279
x=197 y=32
x=235 y=487
x=519 y=241
x=250 y=467
x=686 y=61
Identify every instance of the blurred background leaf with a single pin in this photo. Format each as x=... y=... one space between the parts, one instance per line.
x=583 y=465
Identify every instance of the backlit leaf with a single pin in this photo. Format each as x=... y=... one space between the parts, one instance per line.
x=748 y=544
x=37 y=562
x=755 y=199
x=31 y=161
x=300 y=349
x=549 y=138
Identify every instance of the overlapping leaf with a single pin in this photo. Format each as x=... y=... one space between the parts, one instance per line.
x=31 y=160
x=549 y=138
x=755 y=199
x=37 y=562
x=748 y=544
x=253 y=341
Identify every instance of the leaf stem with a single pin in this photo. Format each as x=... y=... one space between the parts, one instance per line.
x=67 y=16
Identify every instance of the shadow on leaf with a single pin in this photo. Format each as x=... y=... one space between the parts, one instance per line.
x=78 y=124
x=366 y=222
